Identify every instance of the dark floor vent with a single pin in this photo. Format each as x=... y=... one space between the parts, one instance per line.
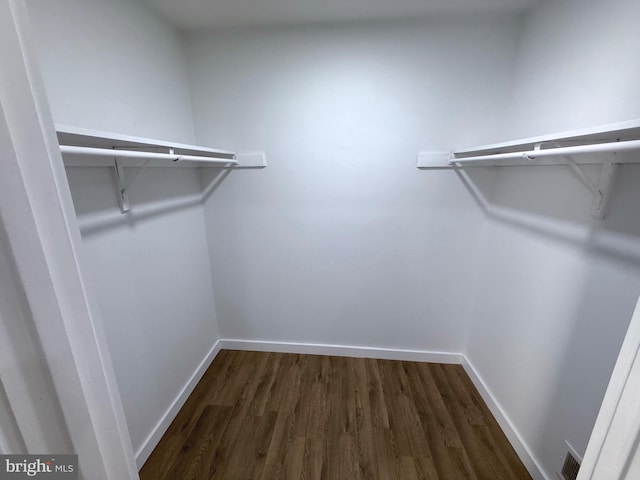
x=570 y=468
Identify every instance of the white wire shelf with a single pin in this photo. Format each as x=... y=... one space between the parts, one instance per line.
x=91 y=148
x=607 y=146
x=546 y=149
x=81 y=147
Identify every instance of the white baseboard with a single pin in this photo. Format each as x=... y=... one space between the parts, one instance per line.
x=343 y=351
x=161 y=427
x=528 y=459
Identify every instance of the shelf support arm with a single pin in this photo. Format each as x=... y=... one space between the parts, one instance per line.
x=138 y=174
x=600 y=191
x=581 y=175
x=123 y=198
x=605 y=182
x=123 y=188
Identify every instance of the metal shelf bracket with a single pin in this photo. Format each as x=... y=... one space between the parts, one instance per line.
x=123 y=198
x=605 y=182
x=600 y=190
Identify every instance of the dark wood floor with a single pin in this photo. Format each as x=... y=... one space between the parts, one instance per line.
x=267 y=416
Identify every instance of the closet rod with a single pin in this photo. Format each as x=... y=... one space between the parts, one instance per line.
x=106 y=152
x=551 y=152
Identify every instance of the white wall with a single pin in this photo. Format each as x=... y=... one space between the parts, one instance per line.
x=556 y=298
x=341 y=240
x=577 y=66
x=559 y=287
x=150 y=271
x=112 y=65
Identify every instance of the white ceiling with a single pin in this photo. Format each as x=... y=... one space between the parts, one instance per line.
x=199 y=14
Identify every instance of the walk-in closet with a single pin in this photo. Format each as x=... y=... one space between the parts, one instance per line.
x=344 y=239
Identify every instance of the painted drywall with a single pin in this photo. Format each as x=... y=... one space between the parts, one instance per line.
x=577 y=66
x=150 y=272
x=559 y=287
x=341 y=240
x=112 y=65
x=556 y=298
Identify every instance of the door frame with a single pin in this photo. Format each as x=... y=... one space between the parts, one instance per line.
x=613 y=446
x=44 y=240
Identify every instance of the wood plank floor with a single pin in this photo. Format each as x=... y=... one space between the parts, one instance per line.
x=268 y=416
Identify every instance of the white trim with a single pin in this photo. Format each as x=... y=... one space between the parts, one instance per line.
x=614 y=440
x=43 y=235
x=522 y=449
x=161 y=427
x=342 y=350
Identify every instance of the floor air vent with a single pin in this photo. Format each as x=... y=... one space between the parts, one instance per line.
x=570 y=468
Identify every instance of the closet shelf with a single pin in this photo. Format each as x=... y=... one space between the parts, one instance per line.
x=606 y=146
x=540 y=152
x=90 y=148
x=171 y=155
x=549 y=149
